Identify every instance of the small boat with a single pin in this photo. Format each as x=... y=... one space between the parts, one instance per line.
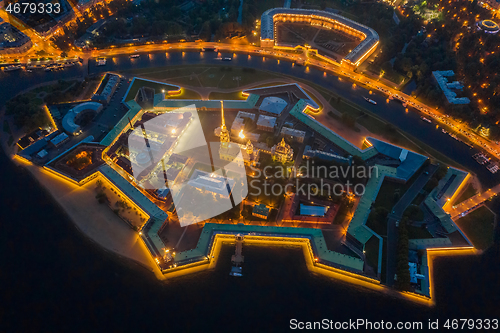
x=135 y=56
x=101 y=62
x=226 y=59
x=370 y=100
x=426 y=120
x=11 y=68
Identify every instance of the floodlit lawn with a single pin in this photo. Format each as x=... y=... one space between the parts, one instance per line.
x=138 y=84
x=417 y=232
x=478 y=226
x=469 y=192
x=371 y=252
x=235 y=95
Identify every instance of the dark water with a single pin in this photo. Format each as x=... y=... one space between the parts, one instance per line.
x=54 y=279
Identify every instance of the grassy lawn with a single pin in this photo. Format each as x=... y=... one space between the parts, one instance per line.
x=343 y=107
x=246 y=77
x=389 y=74
x=224 y=77
x=6 y=127
x=478 y=226
x=177 y=75
x=417 y=232
x=235 y=95
x=469 y=192
x=138 y=84
x=93 y=84
x=371 y=252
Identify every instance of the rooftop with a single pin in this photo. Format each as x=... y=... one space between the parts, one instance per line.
x=371 y=37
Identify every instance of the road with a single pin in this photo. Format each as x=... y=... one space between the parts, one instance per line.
x=397 y=214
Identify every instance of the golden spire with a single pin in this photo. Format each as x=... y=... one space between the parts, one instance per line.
x=224 y=133
x=222 y=114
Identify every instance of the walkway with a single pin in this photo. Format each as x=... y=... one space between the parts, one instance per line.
x=472 y=203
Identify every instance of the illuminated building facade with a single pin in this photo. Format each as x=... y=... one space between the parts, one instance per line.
x=282 y=152
x=234 y=152
x=326 y=20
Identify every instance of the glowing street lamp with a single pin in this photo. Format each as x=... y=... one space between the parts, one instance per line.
x=241 y=135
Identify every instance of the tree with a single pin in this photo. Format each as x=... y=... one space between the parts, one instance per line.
x=441 y=172
x=414 y=212
x=431 y=184
x=101 y=197
x=402 y=267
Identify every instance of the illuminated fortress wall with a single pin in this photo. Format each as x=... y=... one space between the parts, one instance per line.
x=369 y=38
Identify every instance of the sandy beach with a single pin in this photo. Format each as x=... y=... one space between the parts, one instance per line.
x=94 y=220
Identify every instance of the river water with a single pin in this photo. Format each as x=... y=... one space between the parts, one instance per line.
x=53 y=279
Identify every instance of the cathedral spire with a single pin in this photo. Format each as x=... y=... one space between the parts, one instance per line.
x=222 y=114
x=224 y=133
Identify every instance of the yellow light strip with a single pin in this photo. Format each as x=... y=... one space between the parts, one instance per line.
x=456 y=193
x=53 y=123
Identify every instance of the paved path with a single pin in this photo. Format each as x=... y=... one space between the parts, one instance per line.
x=472 y=203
